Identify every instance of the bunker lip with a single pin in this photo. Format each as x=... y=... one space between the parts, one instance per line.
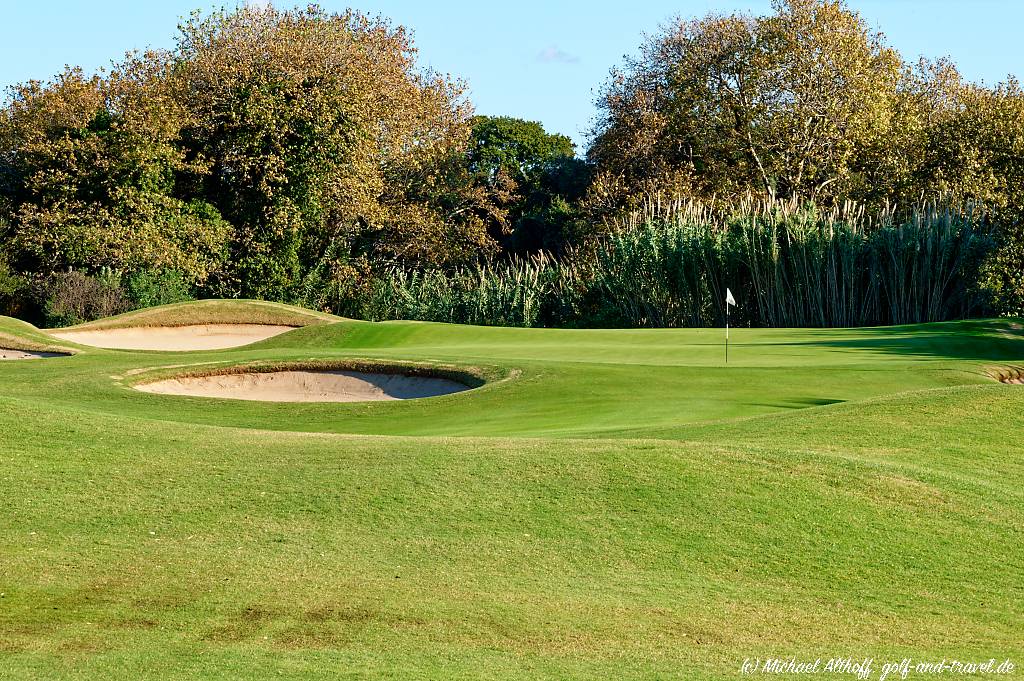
x=1009 y=375
x=12 y=354
x=319 y=381
x=307 y=386
x=174 y=338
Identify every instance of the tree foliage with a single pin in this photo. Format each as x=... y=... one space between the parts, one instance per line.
x=520 y=149
x=319 y=128
x=785 y=104
x=88 y=167
x=809 y=104
x=299 y=155
x=535 y=173
x=264 y=141
x=804 y=103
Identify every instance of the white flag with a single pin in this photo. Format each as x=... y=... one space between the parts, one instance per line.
x=729 y=300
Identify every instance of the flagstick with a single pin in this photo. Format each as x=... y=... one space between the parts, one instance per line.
x=727 y=333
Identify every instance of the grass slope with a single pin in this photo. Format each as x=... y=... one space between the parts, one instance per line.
x=623 y=505
x=212 y=312
x=18 y=335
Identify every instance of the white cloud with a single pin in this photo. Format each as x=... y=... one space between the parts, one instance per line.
x=552 y=54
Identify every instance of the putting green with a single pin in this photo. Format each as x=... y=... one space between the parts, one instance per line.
x=610 y=504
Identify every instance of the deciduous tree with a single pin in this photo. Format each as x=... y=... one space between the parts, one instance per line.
x=321 y=129
x=784 y=105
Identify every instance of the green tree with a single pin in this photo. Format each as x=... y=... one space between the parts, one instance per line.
x=323 y=137
x=975 y=152
x=784 y=105
x=520 y=149
x=537 y=175
x=89 y=166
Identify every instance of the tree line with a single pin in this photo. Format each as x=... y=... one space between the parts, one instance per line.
x=306 y=156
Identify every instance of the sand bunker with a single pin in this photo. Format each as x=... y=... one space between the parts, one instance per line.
x=1009 y=375
x=181 y=338
x=307 y=386
x=5 y=353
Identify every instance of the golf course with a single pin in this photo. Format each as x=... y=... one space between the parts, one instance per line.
x=616 y=504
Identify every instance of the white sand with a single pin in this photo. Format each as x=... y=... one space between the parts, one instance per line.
x=196 y=337
x=307 y=386
x=22 y=354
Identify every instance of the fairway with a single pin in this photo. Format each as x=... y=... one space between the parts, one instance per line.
x=615 y=504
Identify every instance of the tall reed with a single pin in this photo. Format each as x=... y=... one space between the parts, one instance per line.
x=507 y=294
x=791 y=265
x=669 y=264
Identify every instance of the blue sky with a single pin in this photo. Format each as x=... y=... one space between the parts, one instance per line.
x=541 y=60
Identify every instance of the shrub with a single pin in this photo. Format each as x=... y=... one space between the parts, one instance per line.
x=74 y=297
x=337 y=283
x=1003 y=273
x=148 y=288
x=14 y=291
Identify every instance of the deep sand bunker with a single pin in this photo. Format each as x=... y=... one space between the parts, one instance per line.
x=307 y=386
x=179 y=338
x=6 y=353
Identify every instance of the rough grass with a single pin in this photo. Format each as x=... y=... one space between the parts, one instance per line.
x=626 y=506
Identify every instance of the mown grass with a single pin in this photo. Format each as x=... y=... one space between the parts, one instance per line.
x=625 y=507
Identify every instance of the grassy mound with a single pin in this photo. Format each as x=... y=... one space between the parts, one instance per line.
x=620 y=504
x=212 y=312
x=18 y=335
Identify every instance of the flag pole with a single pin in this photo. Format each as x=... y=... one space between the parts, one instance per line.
x=729 y=300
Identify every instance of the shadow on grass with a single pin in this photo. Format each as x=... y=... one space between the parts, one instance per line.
x=796 y=403
x=982 y=340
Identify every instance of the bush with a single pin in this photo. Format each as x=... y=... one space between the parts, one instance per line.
x=71 y=298
x=337 y=284
x=1004 y=272
x=150 y=288
x=14 y=291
